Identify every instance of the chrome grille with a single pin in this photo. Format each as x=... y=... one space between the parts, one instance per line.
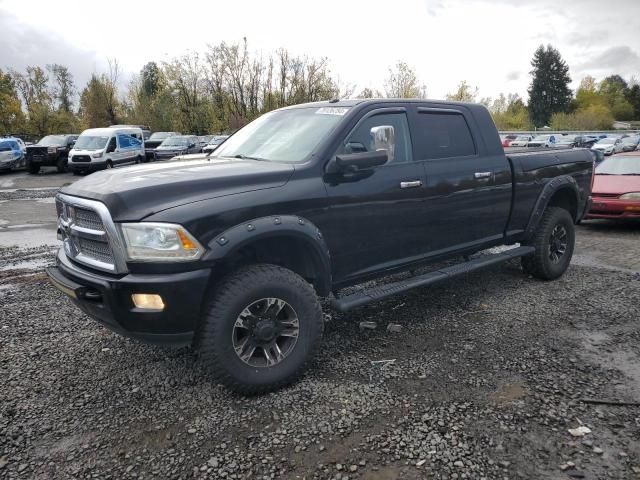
x=88 y=234
x=94 y=249
x=88 y=219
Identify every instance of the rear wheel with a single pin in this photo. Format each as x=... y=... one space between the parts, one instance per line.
x=260 y=330
x=554 y=241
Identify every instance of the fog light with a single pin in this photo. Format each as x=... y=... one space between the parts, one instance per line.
x=148 y=301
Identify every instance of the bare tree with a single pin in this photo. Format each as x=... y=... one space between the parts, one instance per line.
x=402 y=82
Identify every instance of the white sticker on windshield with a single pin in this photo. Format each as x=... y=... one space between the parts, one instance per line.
x=332 y=110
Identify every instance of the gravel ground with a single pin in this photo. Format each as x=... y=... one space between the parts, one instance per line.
x=488 y=374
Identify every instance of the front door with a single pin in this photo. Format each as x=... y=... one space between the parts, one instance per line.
x=375 y=213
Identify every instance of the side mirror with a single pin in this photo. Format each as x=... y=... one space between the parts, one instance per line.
x=111 y=148
x=361 y=161
x=191 y=145
x=383 y=137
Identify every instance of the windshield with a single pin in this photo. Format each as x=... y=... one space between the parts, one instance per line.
x=52 y=141
x=283 y=136
x=175 y=142
x=89 y=142
x=8 y=145
x=160 y=135
x=542 y=138
x=522 y=139
x=607 y=141
x=620 y=166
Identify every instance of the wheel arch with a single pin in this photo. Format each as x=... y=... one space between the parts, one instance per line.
x=560 y=192
x=288 y=241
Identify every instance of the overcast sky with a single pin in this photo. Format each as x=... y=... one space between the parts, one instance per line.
x=489 y=43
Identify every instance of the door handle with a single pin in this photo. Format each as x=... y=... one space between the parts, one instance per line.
x=482 y=174
x=412 y=184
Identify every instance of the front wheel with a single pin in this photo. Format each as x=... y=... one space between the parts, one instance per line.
x=61 y=165
x=33 y=169
x=554 y=241
x=260 y=330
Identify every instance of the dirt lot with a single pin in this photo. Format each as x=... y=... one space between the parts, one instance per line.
x=490 y=372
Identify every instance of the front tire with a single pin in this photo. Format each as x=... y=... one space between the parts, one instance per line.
x=61 y=165
x=554 y=241
x=33 y=169
x=261 y=329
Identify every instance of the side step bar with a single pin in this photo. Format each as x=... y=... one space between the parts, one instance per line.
x=363 y=297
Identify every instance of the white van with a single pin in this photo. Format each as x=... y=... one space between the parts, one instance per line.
x=99 y=148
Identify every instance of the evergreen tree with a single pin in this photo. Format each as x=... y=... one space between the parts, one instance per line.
x=549 y=92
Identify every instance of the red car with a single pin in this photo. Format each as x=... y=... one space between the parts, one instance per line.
x=616 y=187
x=507 y=139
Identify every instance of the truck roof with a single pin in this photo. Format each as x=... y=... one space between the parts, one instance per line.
x=363 y=101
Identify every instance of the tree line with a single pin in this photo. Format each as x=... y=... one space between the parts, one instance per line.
x=228 y=85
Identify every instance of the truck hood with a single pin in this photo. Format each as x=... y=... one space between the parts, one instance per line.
x=133 y=193
x=616 y=184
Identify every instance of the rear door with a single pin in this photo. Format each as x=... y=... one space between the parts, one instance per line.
x=468 y=189
x=375 y=213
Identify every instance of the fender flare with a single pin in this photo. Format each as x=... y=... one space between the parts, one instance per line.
x=554 y=185
x=235 y=238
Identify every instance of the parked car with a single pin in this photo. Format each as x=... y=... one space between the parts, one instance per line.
x=154 y=142
x=204 y=140
x=231 y=252
x=507 y=139
x=177 y=145
x=566 y=141
x=543 y=141
x=629 y=144
x=521 y=141
x=214 y=143
x=608 y=145
x=585 y=141
x=616 y=188
x=103 y=148
x=50 y=151
x=11 y=155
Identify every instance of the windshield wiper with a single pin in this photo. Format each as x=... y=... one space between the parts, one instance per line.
x=248 y=157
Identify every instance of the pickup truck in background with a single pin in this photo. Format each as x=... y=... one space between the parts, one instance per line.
x=50 y=151
x=154 y=141
x=230 y=252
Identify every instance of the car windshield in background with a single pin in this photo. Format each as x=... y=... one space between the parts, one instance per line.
x=607 y=141
x=620 y=166
x=88 y=142
x=522 y=139
x=283 y=136
x=217 y=140
x=541 y=138
x=159 y=136
x=6 y=146
x=175 y=142
x=52 y=141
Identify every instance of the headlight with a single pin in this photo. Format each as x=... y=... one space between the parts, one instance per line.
x=51 y=149
x=162 y=242
x=96 y=155
x=630 y=196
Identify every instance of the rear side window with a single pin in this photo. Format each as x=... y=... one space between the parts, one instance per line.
x=443 y=135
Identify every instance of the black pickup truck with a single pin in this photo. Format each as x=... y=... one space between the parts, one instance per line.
x=229 y=252
x=50 y=151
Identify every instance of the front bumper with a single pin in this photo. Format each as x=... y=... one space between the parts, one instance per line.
x=107 y=299
x=167 y=155
x=44 y=160
x=613 y=208
x=91 y=166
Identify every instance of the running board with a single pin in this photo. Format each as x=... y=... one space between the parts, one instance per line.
x=363 y=297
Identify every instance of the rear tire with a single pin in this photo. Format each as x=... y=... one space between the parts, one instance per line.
x=554 y=241
x=260 y=305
